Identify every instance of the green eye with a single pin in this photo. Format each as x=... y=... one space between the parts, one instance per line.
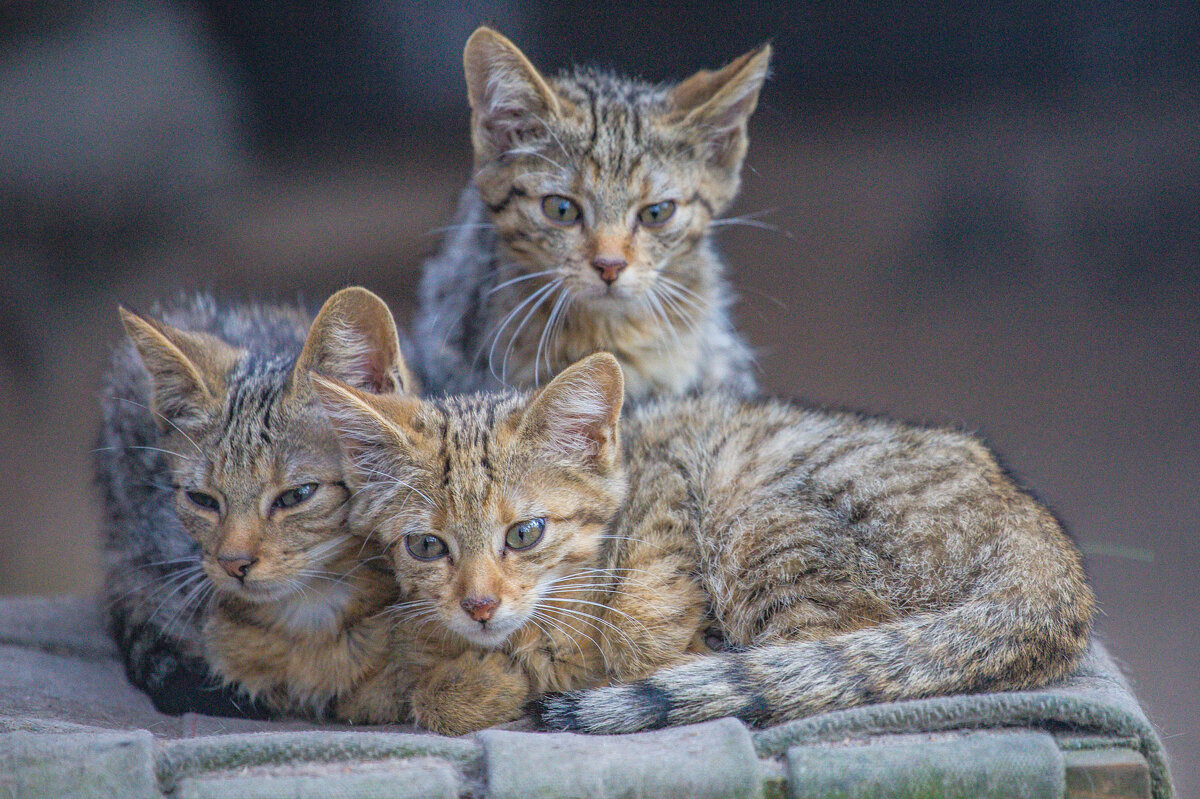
x=424 y=546
x=657 y=214
x=523 y=535
x=560 y=210
x=206 y=501
x=294 y=496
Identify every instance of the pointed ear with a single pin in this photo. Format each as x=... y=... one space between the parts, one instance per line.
x=367 y=425
x=510 y=100
x=575 y=416
x=720 y=102
x=187 y=370
x=354 y=340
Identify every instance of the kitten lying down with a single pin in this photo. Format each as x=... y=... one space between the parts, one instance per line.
x=472 y=554
x=542 y=543
x=287 y=598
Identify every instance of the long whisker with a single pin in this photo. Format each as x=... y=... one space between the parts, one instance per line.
x=609 y=608
x=651 y=301
x=589 y=618
x=550 y=323
x=538 y=615
x=519 y=279
x=556 y=622
x=541 y=291
x=630 y=538
x=512 y=340
x=152 y=449
x=463 y=226
x=179 y=586
x=401 y=483
x=165 y=419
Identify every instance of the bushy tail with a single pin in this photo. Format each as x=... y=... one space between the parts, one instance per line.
x=984 y=644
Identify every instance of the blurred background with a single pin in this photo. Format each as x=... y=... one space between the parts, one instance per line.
x=980 y=217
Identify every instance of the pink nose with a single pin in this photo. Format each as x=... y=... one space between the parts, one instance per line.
x=236 y=565
x=480 y=608
x=609 y=268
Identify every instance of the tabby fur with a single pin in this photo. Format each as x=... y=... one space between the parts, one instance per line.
x=844 y=559
x=515 y=296
x=234 y=585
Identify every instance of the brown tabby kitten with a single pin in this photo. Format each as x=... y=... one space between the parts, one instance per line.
x=846 y=560
x=587 y=227
x=259 y=485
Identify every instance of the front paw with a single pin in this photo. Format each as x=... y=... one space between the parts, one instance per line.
x=471 y=692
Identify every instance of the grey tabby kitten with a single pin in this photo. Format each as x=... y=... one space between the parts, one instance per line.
x=587 y=228
x=159 y=596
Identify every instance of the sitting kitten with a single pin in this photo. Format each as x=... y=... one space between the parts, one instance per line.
x=587 y=228
x=228 y=551
x=846 y=560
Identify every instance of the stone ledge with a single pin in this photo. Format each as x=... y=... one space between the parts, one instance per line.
x=713 y=759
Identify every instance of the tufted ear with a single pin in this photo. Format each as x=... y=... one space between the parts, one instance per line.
x=510 y=100
x=187 y=370
x=369 y=426
x=354 y=340
x=718 y=103
x=575 y=417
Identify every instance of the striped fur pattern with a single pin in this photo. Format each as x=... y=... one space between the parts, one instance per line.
x=234 y=586
x=845 y=559
x=519 y=291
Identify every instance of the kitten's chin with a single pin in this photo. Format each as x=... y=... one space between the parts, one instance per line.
x=489 y=637
x=258 y=593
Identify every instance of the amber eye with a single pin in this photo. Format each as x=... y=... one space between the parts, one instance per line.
x=206 y=501
x=294 y=496
x=560 y=210
x=424 y=546
x=523 y=535
x=657 y=214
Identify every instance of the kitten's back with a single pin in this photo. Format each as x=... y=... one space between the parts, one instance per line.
x=848 y=560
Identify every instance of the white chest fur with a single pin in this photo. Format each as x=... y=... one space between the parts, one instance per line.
x=319 y=608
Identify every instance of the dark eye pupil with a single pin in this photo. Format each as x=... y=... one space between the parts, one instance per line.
x=525 y=534
x=203 y=500
x=294 y=496
x=425 y=547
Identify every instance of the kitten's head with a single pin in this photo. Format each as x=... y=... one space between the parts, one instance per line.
x=491 y=504
x=605 y=183
x=257 y=471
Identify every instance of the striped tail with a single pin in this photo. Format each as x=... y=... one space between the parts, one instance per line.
x=978 y=646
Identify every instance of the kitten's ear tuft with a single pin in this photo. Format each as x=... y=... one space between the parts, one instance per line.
x=187 y=370
x=575 y=416
x=718 y=103
x=366 y=424
x=510 y=100
x=354 y=340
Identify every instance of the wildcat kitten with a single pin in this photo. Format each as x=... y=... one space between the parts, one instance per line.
x=846 y=560
x=587 y=227
x=227 y=550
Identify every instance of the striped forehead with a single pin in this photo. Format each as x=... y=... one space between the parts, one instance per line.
x=256 y=384
x=617 y=131
x=468 y=452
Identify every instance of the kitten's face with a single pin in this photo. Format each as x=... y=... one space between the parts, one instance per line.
x=606 y=185
x=258 y=474
x=491 y=506
x=263 y=494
